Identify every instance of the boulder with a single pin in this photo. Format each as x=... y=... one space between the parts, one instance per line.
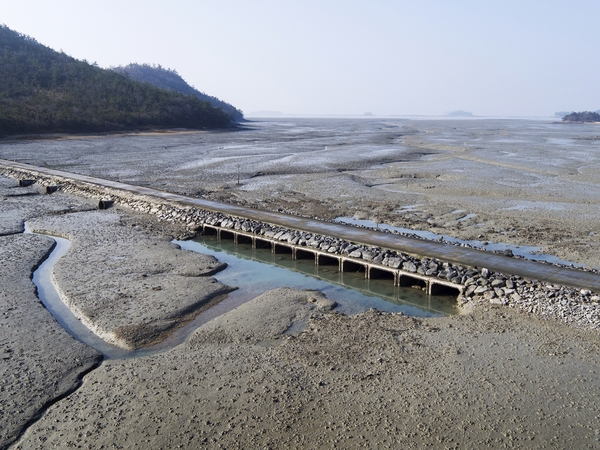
x=409 y=266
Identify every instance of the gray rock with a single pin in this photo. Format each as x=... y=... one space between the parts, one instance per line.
x=470 y=290
x=470 y=281
x=355 y=254
x=367 y=255
x=451 y=274
x=349 y=249
x=394 y=262
x=480 y=290
x=488 y=295
x=498 y=283
x=409 y=266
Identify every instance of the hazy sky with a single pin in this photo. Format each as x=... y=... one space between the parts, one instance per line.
x=498 y=58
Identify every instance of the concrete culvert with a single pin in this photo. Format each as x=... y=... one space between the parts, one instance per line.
x=25 y=183
x=105 y=204
x=243 y=239
x=51 y=189
x=227 y=235
x=210 y=231
x=379 y=274
x=440 y=289
x=408 y=281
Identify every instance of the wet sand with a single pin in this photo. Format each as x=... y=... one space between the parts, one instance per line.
x=131 y=287
x=492 y=377
x=39 y=361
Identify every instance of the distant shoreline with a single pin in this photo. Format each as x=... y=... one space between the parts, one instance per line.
x=69 y=136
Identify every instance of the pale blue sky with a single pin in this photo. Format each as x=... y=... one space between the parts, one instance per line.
x=501 y=58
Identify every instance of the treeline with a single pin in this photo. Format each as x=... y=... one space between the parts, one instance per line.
x=42 y=90
x=158 y=76
x=585 y=116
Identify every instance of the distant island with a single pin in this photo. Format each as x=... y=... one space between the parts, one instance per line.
x=460 y=114
x=44 y=91
x=581 y=117
x=163 y=78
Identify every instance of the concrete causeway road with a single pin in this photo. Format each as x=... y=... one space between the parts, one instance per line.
x=432 y=249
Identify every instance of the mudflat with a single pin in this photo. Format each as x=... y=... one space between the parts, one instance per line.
x=524 y=182
x=493 y=378
x=39 y=361
x=286 y=370
x=130 y=287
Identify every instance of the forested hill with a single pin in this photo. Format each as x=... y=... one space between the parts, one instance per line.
x=585 y=116
x=42 y=90
x=170 y=79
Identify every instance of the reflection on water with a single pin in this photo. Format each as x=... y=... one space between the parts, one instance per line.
x=256 y=271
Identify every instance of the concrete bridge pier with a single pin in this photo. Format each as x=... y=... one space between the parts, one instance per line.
x=344 y=264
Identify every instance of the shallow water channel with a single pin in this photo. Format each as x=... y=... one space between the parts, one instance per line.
x=254 y=272
x=49 y=296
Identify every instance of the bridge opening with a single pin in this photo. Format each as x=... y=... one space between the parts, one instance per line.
x=408 y=281
x=243 y=239
x=209 y=231
x=261 y=243
x=283 y=249
x=227 y=235
x=351 y=266
x=304 y=254
x=379 y=274
x=441 y=289
x=324 y=260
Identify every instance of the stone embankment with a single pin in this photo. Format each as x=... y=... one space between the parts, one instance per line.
x=578 y=306
x=483 y=248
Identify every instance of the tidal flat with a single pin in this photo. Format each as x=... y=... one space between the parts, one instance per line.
x=491 y=376
x=523 y=182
